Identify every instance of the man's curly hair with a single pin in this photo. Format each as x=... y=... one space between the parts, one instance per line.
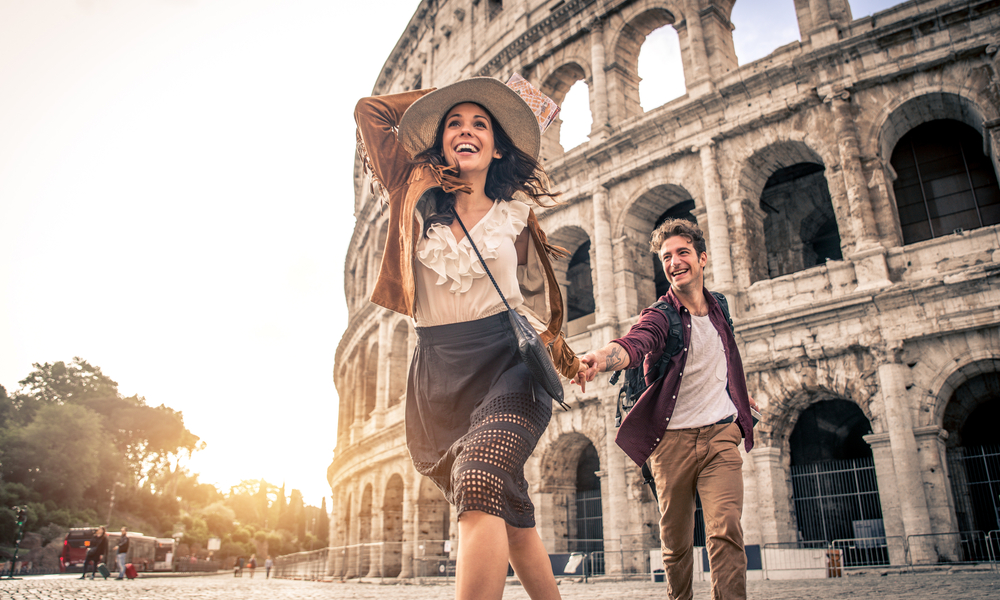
x=682 y=227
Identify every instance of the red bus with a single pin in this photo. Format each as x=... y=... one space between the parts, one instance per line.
x=75 y=548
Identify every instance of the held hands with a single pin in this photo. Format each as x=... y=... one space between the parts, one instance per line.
x=587 y=372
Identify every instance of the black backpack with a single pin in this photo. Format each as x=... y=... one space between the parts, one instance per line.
x=635 y=380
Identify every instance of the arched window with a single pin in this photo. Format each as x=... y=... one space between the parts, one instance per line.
x=800 y=229
x=661 y=70
x=944 y=182
x=580 y=285
x=589 y=512
x=833 y=480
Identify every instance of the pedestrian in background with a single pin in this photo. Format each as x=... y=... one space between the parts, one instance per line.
x=267 y=567
x=252 y=564
x=98 y=550
x=122 y=556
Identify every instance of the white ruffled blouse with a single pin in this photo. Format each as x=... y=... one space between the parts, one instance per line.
x=451 y=284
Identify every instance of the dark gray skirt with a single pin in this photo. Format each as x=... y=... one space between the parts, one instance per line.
x=473 y=416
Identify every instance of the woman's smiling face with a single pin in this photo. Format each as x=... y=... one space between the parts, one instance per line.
x=467 y=139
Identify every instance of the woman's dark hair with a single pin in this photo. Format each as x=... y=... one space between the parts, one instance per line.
x=515 y=171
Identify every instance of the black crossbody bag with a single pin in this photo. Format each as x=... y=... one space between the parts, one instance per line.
x=533 y=353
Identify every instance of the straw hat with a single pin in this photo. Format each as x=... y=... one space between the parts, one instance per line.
x=419 y=126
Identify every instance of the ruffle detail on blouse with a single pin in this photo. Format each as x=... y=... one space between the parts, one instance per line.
x=456 y=263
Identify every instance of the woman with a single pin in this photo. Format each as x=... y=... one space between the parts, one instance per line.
x=473 y=415
x=96 y=553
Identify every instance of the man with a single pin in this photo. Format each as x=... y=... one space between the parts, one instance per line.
x=688 y=424
x=122 y=556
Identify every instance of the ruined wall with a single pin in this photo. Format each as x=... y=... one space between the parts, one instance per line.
x=779 y=157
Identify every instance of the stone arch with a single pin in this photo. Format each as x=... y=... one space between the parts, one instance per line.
x=773 y=179
x=575 y=277
x=392 y=526
x=398 y=362
x=556 y=84
x=952 y=408
x=628 y=32
x=633 y=259
x=559 y=466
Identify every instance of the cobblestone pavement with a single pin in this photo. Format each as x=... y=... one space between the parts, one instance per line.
x=918 y=586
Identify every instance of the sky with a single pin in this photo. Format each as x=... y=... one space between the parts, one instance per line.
x=176 y=200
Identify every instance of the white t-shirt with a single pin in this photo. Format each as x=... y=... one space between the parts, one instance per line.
x=451 y=285
x=702 y=398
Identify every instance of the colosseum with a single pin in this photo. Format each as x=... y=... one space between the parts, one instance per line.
x=847 y=184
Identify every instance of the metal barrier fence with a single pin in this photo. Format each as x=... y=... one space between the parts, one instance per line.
x=630 y=557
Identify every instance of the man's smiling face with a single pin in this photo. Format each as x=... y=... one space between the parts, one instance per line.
x=683 y=267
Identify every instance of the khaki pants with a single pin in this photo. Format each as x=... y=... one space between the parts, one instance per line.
x=706 y=460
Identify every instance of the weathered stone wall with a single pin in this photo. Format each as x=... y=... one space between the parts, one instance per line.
x=895 y=329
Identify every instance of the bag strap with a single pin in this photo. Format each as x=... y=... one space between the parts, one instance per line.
x=481 y=261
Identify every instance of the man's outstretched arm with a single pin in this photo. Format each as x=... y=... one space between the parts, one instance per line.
x=609 y=358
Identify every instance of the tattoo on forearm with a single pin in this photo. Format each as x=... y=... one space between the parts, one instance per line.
x=616 y=360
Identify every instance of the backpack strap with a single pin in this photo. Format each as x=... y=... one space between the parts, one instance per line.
x=724 y=305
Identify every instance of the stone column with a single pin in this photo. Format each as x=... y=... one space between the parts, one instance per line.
x=601 y=128
x=906 y=462
x=602 y=271
x=350 y=541
x=383 y=374
x=376 y=543
x=774 y=514
x=888 y=494
x=618 y=511
x=868 y=255
x=718 y=225
x=701 y=83
x=410 y=537
x=937 y=487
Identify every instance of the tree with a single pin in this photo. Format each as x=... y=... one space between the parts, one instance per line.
x=58 y=454
x=298 y=514
x=323 y=526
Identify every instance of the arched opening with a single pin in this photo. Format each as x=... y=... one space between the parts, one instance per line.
x=800 y=228
x=433 y=546
x=660 y=68
x=392 y=527
x=974 y=456
x=575 y=278
x=575 y=119
x=944 y=183
x=760 y=28
x=623 y=72
x=398 y=364
x=371 y=381
x=681 y=210
x=568 y=88
x=587 y=534
x=580 y=284
x=365 y=532
x=632 y=251
x=834 y=487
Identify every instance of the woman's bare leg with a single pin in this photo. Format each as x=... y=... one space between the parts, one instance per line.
x=481 y=568
x=531 y=563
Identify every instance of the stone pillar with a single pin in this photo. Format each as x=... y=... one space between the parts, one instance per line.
x=384 y=372
x=602 y=271
x=868 y=255
x=906 y=462
x=350 y=542
x=618 y=511
x=718 y=226
x=888 y=494
x=937 y=488
x=701 y=82
x=376 y=543
x=774 y=512
x=410 y=535
x=601 y=128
